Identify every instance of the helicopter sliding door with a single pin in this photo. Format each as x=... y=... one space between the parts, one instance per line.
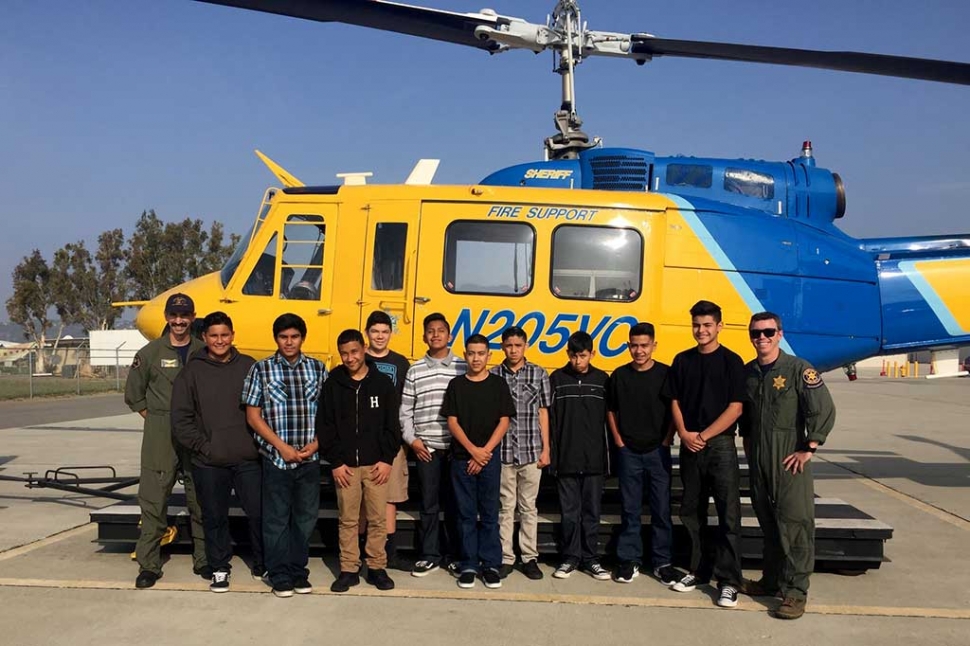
x=287 y=269
x=390 y=264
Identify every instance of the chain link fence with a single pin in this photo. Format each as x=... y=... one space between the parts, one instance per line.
x=73 y=368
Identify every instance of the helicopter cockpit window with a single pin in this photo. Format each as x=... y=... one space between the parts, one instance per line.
x=302 y=270
x=750 y=183
x=390 y=244
x=489 y=258
x=596 y=263
x=696 y=175
x=260 y=281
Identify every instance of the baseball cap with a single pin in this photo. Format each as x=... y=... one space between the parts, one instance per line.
x=179 y=304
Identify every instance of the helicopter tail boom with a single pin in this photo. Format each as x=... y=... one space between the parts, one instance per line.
x=922 y=284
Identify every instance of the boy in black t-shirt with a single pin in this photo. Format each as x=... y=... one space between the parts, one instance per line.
x=707 y=388
x=640 y=423
x=478 y=406
x=379 y=328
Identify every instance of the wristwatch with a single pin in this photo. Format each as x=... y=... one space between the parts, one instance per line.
x=811 y=449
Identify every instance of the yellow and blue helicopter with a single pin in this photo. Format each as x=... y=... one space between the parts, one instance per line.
x=589 y=237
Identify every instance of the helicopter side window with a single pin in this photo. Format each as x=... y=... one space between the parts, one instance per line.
x=489 y=258
x=390 y=245
x=596 y=263
x=301 y=272
x=750 y=183
x=696 y=175
x=260 y=281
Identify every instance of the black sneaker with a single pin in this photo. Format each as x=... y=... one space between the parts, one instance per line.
x=454 y=569
x=303 y=586
x=667 y=574
x=491 y=578
x=423 y=568
x=379 y=579
x=146 y=579
x=220 y=581
x=345 y=582
x=205 y=571
x=688 y=583
x=505 y=570
x=467 y=580
x=727 y=596
x=531 y=570
x=627 y=572
x=597 y=571
x=564 y=570
x=259 y=573
x=283 y=591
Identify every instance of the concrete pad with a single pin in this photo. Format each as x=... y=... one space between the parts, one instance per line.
x=899 y=452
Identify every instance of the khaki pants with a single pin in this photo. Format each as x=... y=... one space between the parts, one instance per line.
x=364 y=490
x=520 y=487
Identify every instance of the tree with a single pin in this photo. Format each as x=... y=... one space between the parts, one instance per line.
x=32 y=301
x=162 y=255
x=110 y=259
x=74 y=285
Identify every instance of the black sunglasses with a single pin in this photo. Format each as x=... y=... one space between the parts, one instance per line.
x=768 y=332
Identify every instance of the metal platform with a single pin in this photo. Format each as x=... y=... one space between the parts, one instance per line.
x=846 y=538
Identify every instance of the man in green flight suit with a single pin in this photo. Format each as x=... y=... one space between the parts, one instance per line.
x=148 y=392
x=788 y=415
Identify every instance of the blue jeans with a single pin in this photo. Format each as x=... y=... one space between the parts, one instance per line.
x=634 y=470
x=214 y=486
x=291 y=502
x=477 y=499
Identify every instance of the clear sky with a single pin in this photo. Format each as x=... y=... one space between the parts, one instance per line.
x=110 y=107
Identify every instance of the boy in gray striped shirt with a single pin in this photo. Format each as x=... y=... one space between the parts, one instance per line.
x=425 y=430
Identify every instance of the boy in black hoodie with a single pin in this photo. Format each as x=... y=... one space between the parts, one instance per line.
x=359 y=433
x=208 y=419
x=577 y=421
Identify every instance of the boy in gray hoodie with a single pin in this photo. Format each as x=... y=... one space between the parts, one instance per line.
x=208 y=419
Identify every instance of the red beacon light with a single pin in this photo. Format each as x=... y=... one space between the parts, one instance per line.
x=806 y=148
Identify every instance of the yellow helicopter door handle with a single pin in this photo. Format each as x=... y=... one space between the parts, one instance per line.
x=421 y=300
x=324 y=312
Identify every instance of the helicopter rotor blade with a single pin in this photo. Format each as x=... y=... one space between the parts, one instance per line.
x=881 y=64
x=436 y=24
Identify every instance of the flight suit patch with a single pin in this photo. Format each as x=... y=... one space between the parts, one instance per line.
x=778 y=383
x=811 y=378
x=170 y=363
x=136 y=362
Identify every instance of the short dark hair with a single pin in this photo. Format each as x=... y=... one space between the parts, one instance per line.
x=579 y=342
x=349 y=336
x=642 y=329
x=216 y=318
x=477 y=338
x=766 y=316
x=378 y=317
x=289 y=321
x=436 y=316
x=706 y=308
x=514 y=330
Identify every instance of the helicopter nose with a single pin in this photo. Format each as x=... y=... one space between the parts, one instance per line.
x=150 y=319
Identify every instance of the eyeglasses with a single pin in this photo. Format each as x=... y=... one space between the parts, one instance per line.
x=768 y=332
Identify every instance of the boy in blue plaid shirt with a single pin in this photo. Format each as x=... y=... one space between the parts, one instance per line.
x=525 y=451
x=280 y=395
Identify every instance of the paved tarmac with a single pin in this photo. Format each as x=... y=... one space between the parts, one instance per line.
x=900 y=452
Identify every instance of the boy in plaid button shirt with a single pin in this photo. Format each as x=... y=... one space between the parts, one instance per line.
x=525 y=451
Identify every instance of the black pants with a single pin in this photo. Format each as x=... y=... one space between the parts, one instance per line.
x=713 y=471
x=580 y=498
x=437 y=496
x=214 y=486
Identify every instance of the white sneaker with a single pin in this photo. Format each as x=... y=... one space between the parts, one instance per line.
x=424 y=568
